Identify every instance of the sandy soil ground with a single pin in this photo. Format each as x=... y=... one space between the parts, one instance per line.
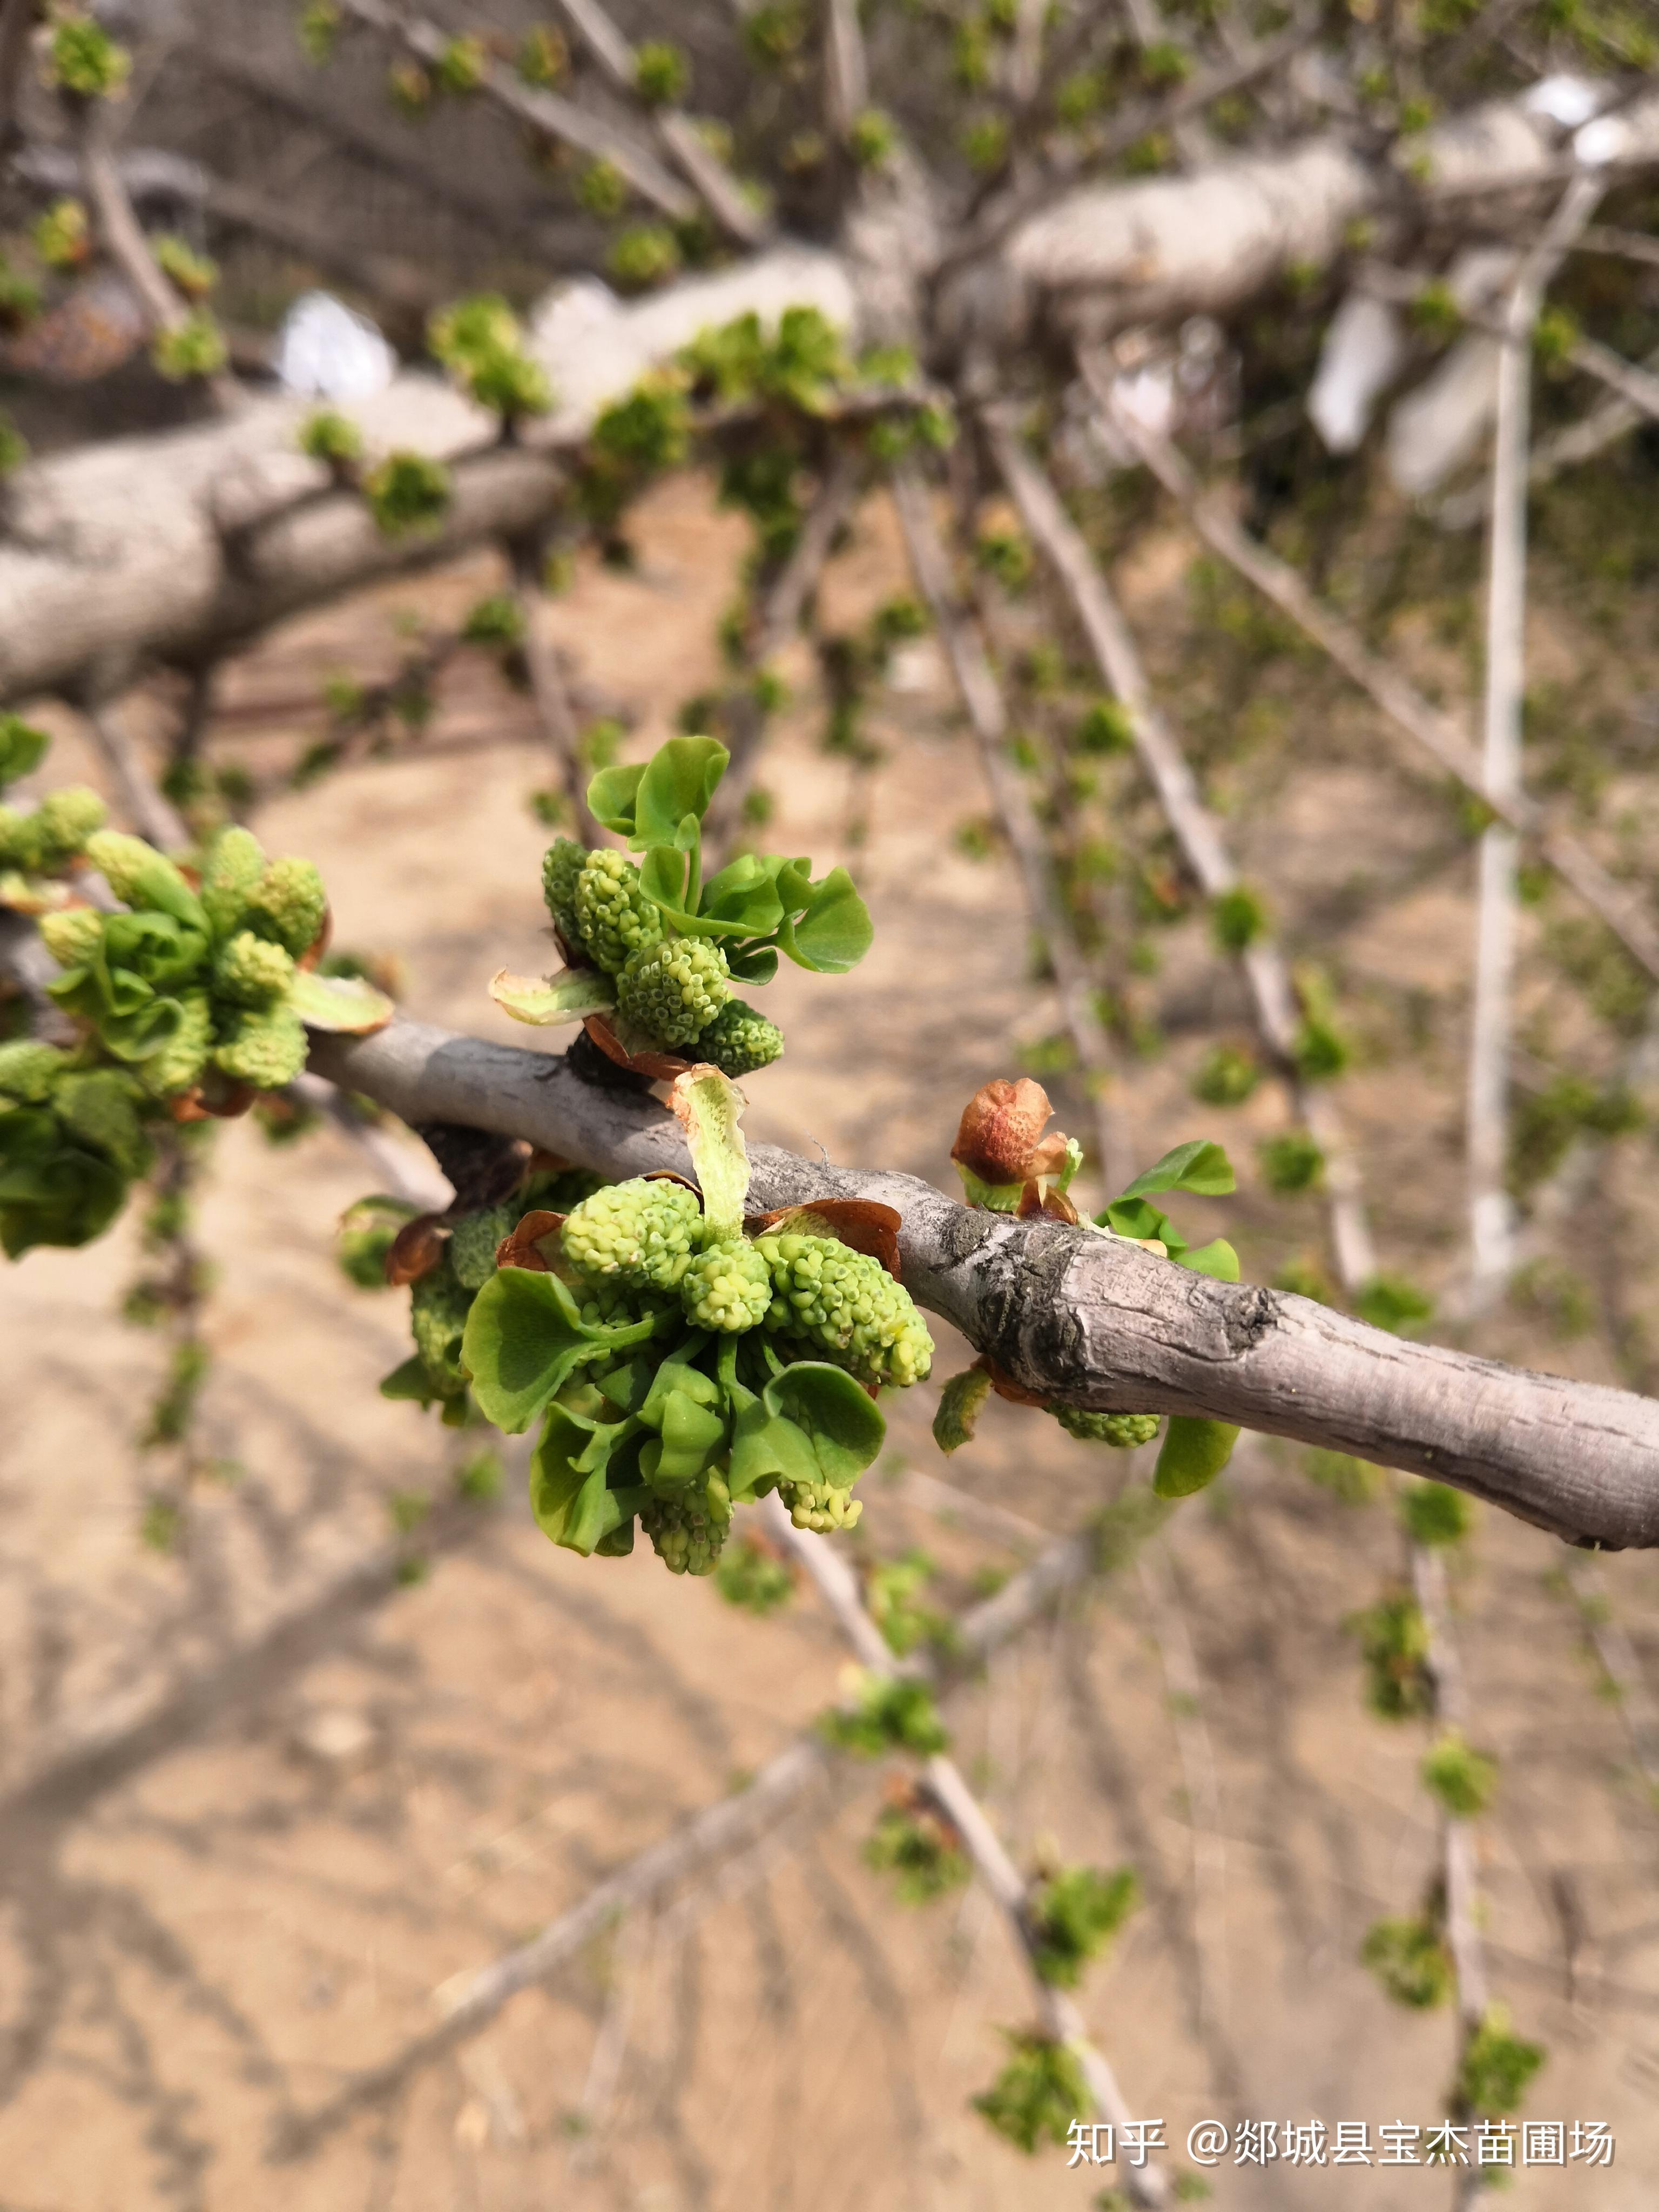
x=264 y=1799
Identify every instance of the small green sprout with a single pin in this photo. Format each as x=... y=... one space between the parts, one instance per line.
x=407 y=494
x=662 y=75
x=194 y=347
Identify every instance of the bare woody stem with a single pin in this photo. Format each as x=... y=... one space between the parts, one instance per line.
x=945 y=1785
x=1491 y=1210
x=1087 y=1320
x=1197 y=832
x=1380 y=681
x=549 y=690
x=988 y=716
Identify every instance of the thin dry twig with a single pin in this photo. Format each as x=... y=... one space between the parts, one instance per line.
x=676 y=133
x=782 y=604
x=547 y=112
x=847 y=68
x=987 y=715
x=943 y=1779
x=153 y=813
x=1491 y=1210
x=555 y=709
x=1197 y=832
x=1380 y=681
x=1183 y=1686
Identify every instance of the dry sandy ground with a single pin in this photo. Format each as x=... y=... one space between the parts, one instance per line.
x=210 y=1928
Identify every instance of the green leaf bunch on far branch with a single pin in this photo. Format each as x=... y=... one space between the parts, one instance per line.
x=190 y=999
x=480 y=342
x=1073 y=1914
x=1038 y=2093
x=1008 y=1165
x=914 y=1842
x=83 y=60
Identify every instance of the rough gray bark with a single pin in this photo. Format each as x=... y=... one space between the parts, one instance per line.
x=1090 y=1320
x=1110 y=255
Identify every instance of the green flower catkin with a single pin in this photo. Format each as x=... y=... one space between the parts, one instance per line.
x=638 y=1235
x=1121 y=1430
x=738 y=1040
x=846 y=1304
x=562 y=864
x=613 y=916
x=727 y=1287
x=673 y=989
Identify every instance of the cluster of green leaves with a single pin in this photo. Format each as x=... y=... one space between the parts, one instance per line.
x=480 y=342
x=751 y=1577
x=1465 y=1781
x=38 y=847
x=1038 y=2093
x=1072 y=1916
x=772 y=387
x=199 y=985
x=674 y=1365
x=195 y=347
x=1393 y=1643
x=1498 y=2067
x=920 y=1849
x=664 y=944
x=72 y=1141
x=645 y=1413
x=409 y=494
x=892 y=1593
x=888 y=1713
x=1410 y=1960
x=83 y=60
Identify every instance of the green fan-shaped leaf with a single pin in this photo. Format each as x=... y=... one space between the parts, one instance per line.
x=524 y=1339
x=611 y=795
x=843 y=1423
x=1200 y=1166
x=834 y=932
x=1217 y=1259
x=679 y=779
x=570 y=1494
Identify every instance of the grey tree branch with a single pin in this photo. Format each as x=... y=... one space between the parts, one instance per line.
x=1085 y=1319
x=782 y=604
x=549 y=113
x=846 y=71
x=709 y=177
x=1492 y=1211
x=947 y=1785
x=988 y=716
x=1197 y=831
x=1381 y=680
